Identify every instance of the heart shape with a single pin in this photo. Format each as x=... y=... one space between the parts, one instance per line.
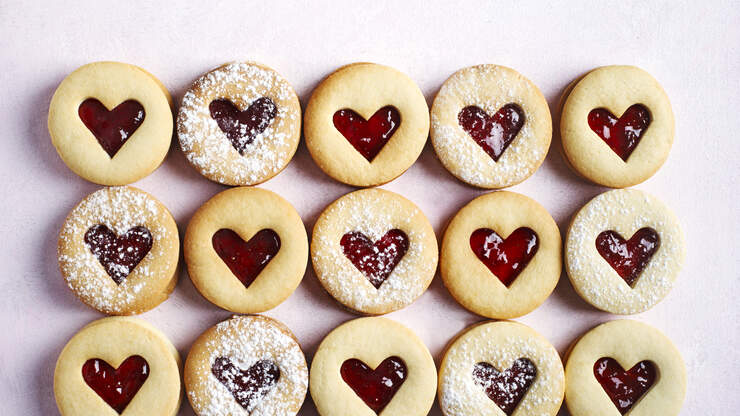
x=375 y=260
x=368 y=137
x=116 y=386
x=111 y=128
x=629 y=257
x=625 y=388
x=623 y=134
x=493 y=134
x=119 y=255
x=247 y=386
x=506 y=388
x=375 y=387
x=241 y=127
x=246 y=259
x=505 y=258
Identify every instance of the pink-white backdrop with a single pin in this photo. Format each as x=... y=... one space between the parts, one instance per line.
x=692 y=48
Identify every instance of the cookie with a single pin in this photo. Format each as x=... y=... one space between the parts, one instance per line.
x=374 y=251
x=118 y=365
x=247 y=365
x=501 y=255
x=365 y=124
x=491 y=126
x=246 y=250
x=623 y=251
x=616 y=126
x=624 y=367
x=372 y=366
x=111 y=122
x=239 y=124
x=119 y=250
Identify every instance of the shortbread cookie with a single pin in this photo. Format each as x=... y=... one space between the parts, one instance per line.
x=239 y=124
x=623 y=251
x=111 y=122
x=247 y=365
x=118 y=251
x=366 y=124
x=372 y=366
x=374 y=251
x=501 y=255
x=616 y=126
x=491 y=126
x=118 y=366
x=246 y=250
x=624 y=367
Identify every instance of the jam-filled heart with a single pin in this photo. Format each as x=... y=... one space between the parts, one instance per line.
x=241 y=127
x=492 y=133
x=375 y=387
x=629 y=257
x=506 y=388
x=625 y=388
x=119 y=255
x=111 y=128
x=622 y=134
x=247 y=386
x=368 y=137
x=375 y=260
x=116 y=386
x=246 y=259
x=505 y=258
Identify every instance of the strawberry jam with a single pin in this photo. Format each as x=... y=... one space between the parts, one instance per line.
x=111 y=128
x=375 y=260
x=118 y=255
x=505 y=258
x=246 y=259
x=247 y=386
x=492 y=133
x=506 y=388
x=116 y=386
x=622 y=134
x=368 y=137
x=375 y=387
x=630 y=257
x=241 y=127
x=625 y=388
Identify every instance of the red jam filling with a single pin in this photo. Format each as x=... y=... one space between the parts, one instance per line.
x=247 y=386
x=116 y=386
x=621 y=134
x=241 y=127
x=492 y=133
x=368 y=137
x=375 y=260
x=119 y=255
x=625 y=388
x=629 y=257
x=246 y=259
x=375 y=387
x=506 y=388
x=505 y=258
x=111 y=128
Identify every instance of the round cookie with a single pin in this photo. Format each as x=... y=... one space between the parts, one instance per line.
x=616 y=126
x=247 y=365
x=372 y=366
x=491 y=126
x=246 y=250
x=624 y=367
x=365 y=124
x=501 y=255
x=118 y=251
x=623 y=251
x=374 y=251
x=111 y=122
x=118 y=365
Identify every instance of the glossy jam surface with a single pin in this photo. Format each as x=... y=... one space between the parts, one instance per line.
x=622 y=134
x=628 y=257
x=247 y=386
x=368 y=137
x=111 y=128
x=505 y=258
x=241 y=127
x=119 y=255
x=375 y=260
x=493 y=133
x=625 y=388
x=375 y=387
x=116 y=386
x=506 y=388
x=246 y=259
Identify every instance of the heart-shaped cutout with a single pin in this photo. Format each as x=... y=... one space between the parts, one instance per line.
x=247 y=386
x=368 y=137
x=241 y=127
x=116 y=386
x=630 y=257
x=625 y=388
x=492 y=133
x=622 y=134
x=246 y=259
x=506 y=388
x=111 y=128
x=118 y=255
x=505 y=258
x=375 y=387
x=375 y=260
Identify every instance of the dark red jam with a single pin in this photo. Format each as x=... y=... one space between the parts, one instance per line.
x=111 y=128
x=375 y=260
x=506 y=388
x=246 y=259
x=375 y=387
x=505 y=258
x=625 y=388
x=630 y=257
x=493 y=133
x=241 y=127
x=247 y=386
x=621 y=134
x=368 y=137
x=116 y=386
x=119 y=255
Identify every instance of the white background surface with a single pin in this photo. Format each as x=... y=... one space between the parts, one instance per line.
x=692 y=48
